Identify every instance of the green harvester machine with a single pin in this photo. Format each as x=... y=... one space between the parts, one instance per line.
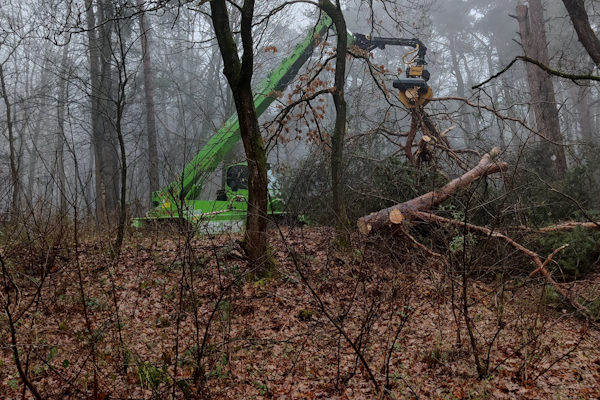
x=179 y=199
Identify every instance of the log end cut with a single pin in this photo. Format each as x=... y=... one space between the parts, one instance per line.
x=396 y=216
x=363 y=226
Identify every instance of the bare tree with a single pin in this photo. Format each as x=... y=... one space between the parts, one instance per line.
x=99 y=25
x=60 y=131
x=533 y=38
x=585 y=33
x=239 y=75
x=153 y=177
x=13 y=156
x=339 y=131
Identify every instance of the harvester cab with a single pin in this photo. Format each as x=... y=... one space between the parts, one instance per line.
x=236 y=183
x=180 y=199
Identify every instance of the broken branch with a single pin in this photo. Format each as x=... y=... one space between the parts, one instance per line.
x=540 y=265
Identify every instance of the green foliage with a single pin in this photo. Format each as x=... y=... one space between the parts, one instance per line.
x=575 y=260
x=220 y=370
x=263 y=388
x=544 y=200
x=551 y=297
x=13 y=383
x=51 y=354
x=305 y=315
x=370 y=185
x=554 y=299
x=593 y=307
x=458 y=243
x=150 y=376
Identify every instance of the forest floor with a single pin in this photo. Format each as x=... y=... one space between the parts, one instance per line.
x=192 y=325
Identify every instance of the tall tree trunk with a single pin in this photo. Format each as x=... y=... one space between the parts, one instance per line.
x=13 y=156
x=495 y=95
x=60 y=131
x=582 y=102
x=95 y=83
x=585 y=33
x=460 y=90
x=533 y=38
x=153 y=177
x=102 y=106
x=239 y=75
x=505 y=83
x=339 y=132
x=33 y=150
x=585 y=116
x=120 y=102
x=108 y=107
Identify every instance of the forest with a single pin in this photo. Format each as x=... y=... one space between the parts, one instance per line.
x=299 y=199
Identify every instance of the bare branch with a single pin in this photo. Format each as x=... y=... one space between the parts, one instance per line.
x=551 y=71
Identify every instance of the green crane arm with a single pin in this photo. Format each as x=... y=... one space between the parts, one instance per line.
x=197 y=171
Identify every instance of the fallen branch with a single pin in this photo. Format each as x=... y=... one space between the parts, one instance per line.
x=562 y=227
x=395 y=214
x=537 y=260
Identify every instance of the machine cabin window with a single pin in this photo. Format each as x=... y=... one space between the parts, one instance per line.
x=237 y=177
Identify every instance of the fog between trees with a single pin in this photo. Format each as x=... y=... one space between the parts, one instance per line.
x=105 y=102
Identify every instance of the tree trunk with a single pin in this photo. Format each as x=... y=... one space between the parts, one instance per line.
x=13 y=156
x=339 y=131
x=533 y=37
x=121 y=102
x=95 y=82
x=585 y=33
x=460 y=90
x=60 y=131
x=395 y=214
x=151 y=134
x=239 y=75
x=33 y=150
x=581 y=101
x=102 y=110
x=110 y=168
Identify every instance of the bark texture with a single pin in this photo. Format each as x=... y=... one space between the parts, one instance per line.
x=585 y=33
x=239 y=75
x=99 y=15
x=151 y=133
x=339 y=132
x=15 y=176
x=581 y=99
x=60 y=132
x=533 y=38
x=460 y=90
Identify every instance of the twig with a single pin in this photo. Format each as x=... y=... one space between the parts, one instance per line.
x=541 y=266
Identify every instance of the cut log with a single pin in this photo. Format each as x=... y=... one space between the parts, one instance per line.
x=396 y=214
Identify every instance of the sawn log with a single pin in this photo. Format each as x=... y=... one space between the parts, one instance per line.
x=396 y=214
